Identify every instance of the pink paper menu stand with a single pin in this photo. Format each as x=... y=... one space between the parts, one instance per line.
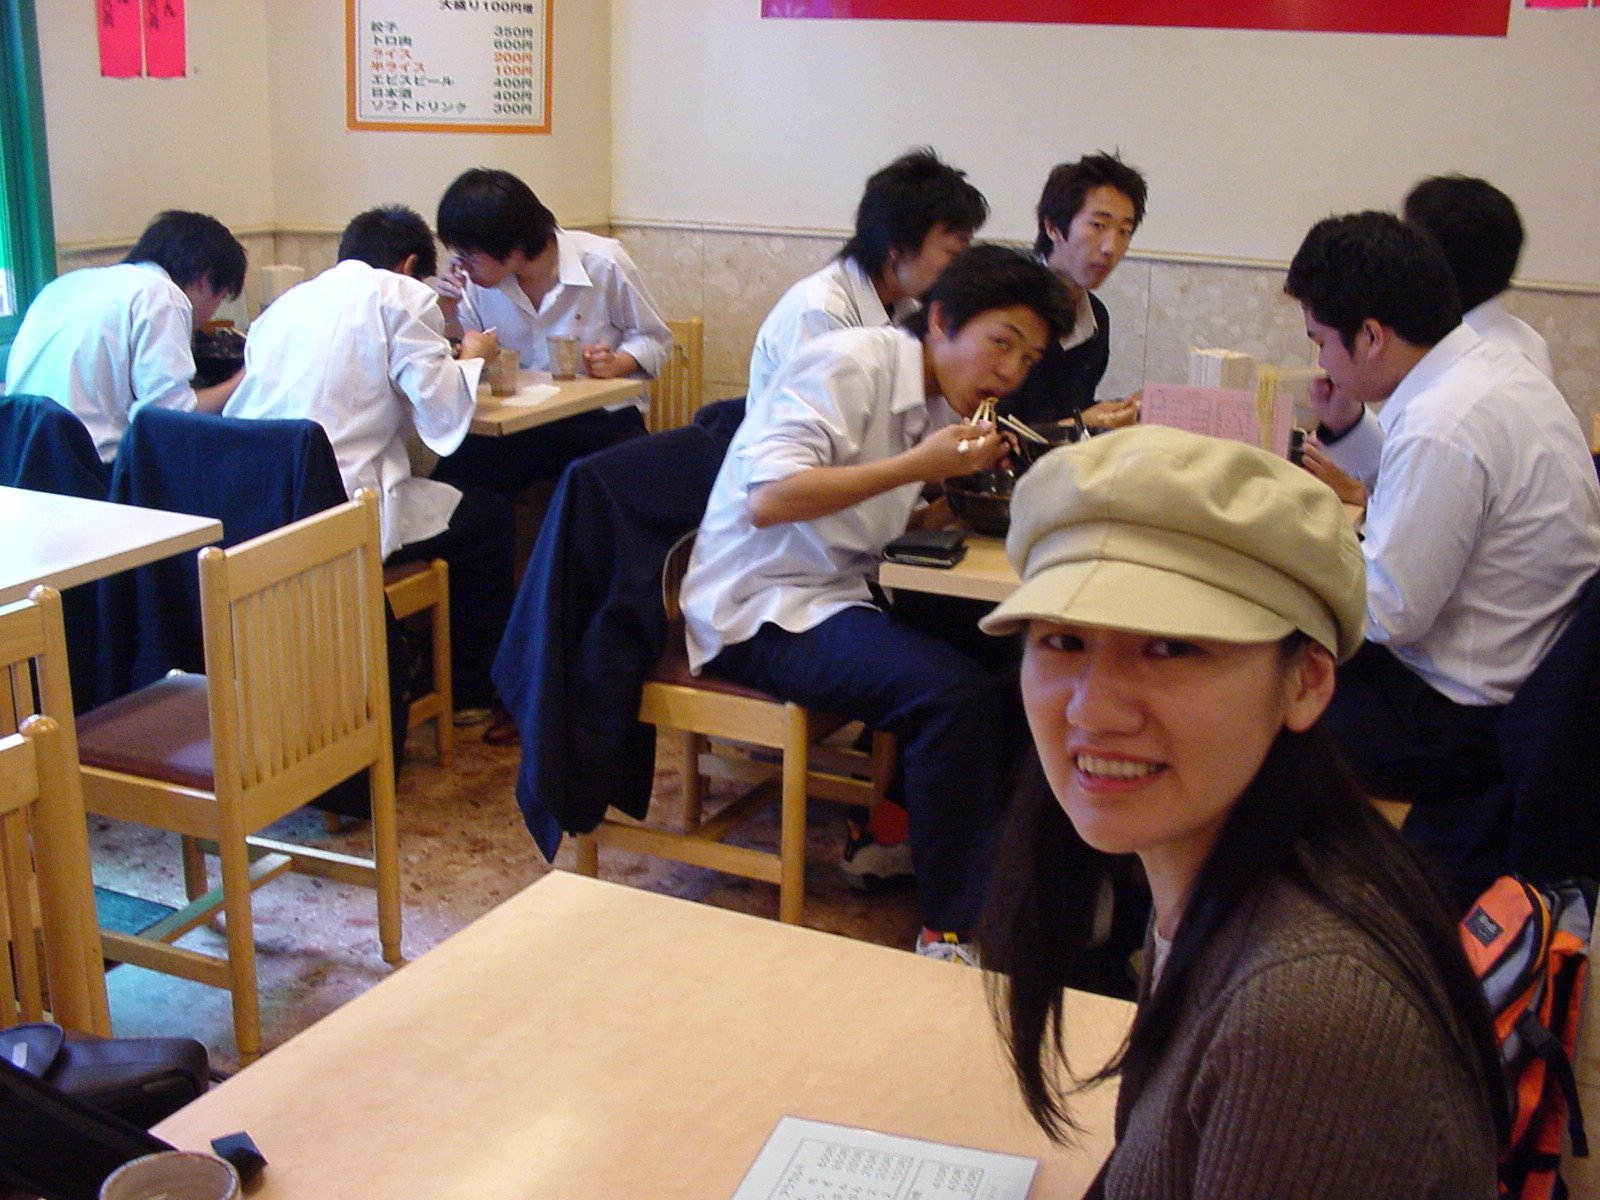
x=1558 y=3
x=121 y=49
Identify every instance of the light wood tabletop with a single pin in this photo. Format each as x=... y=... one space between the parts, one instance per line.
x=66 y=540
x=984 y=574
x=591 y=1040
x=498 y=416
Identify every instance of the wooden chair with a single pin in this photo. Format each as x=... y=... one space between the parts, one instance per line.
x=417 y=587
x=677 y=393
x=47 y=917
x=294 y=642
x=700 y=708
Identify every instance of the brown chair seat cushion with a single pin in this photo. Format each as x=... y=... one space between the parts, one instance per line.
x=162 y=731
x=673 y=668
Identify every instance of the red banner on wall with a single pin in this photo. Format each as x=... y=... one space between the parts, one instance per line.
x=1474 y=18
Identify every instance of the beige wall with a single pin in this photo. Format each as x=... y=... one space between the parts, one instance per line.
x=724 y=118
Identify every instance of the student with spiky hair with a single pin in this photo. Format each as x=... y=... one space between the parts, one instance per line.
x=915 y=215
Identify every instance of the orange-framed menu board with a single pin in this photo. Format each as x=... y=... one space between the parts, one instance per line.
x=457 y=66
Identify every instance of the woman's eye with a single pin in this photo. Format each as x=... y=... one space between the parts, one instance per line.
x=1172 y=648
x=1068 y=643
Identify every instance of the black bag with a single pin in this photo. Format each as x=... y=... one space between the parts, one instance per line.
x=59 y=1147
x=140 y=1080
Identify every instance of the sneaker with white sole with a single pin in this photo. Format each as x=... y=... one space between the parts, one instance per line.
x=868 y=865
x=947 y=947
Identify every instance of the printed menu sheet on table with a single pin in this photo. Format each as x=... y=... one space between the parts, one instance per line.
x=813 y=1160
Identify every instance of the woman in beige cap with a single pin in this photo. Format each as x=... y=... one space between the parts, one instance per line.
x=1307 y=1025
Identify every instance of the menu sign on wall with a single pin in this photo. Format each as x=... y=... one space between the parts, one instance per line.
x=463 y=66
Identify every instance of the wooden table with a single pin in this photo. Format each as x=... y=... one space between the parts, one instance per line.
x=588 y=1040
x=66 y=540
x=497 y=416
x=984 y=574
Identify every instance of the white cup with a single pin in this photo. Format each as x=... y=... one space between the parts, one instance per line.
x=173 y=1175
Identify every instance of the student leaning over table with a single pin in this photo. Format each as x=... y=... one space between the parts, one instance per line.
x=1308 y=1025
x=520 y=274
x=826 y=468
x=360 y=350
x=914 y=217
x=1482 y=526
x=103 y=341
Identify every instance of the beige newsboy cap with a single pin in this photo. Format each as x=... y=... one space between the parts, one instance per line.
x=1161 y=531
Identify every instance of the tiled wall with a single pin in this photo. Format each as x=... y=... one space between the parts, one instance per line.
x=1159 y=307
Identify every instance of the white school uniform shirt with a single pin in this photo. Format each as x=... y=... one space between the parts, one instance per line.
x=848 y=397
x=362 y=352
x=1484 y=518
x=599 y=296
x=1493 y=323
x=103 y=342
x=840 y=296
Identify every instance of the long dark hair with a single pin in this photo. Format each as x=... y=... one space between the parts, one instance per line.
x=1299 y=820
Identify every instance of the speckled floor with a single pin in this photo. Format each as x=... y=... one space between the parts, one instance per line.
x=463 y=849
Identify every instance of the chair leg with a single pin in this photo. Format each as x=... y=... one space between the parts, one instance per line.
x=444 y=727
x=236 y=901
x=792 y=840
x=588 y=855
x=694 y=784
x=386 y=856
x=194 y=868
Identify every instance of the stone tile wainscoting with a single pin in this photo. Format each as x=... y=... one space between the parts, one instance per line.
x=1160 y=305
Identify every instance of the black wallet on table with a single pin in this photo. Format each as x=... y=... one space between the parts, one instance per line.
x=928 y=548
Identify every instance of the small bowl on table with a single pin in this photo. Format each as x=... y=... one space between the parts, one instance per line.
x=1054 y=433
x=983 y=500
x=218 y=355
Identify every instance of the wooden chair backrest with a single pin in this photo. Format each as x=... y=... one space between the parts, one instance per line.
x=296 y=656
x=678 y=391
x=47 y=912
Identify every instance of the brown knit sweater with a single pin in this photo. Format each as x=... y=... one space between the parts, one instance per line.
x=1305 y=1065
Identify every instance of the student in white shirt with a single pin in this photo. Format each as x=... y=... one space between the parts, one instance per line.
x=103 y=341
x=1483 y=521
x=517 y=272
x=360 y=349
x=1480 y=232
x=827 y=467
x=915 y=216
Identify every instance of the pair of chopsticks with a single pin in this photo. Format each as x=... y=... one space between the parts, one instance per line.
x=1007 y=421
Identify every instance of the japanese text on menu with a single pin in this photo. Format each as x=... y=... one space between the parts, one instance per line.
x=461 y=65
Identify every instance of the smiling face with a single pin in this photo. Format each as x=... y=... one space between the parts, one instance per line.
x=1085 y=253
x=909 y=275
x=1149 y=742
x=985 y=359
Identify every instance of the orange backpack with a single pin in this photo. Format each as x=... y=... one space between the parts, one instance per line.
x=1529 y=946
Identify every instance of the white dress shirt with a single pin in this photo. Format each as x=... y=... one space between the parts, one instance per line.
x=849 y=397
x=840 y=296
x=1493 y=323
x=362 y=352
x=103 y=341
x=599 y=296
x=1484 y=519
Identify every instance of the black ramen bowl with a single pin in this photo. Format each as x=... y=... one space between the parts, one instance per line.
x=983 y=500
x=218 y=355
x=1055 y=433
